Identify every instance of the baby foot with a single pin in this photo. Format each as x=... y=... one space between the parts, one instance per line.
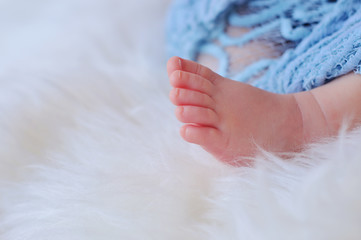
x=230 y=119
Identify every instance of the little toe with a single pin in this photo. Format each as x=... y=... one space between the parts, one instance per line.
x=180 y=97
x=198 y=69
x=173 y=64
x=205 y=136
x=181 y=79
x=197 y=115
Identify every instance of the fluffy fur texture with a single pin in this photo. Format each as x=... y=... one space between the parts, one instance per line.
x=90 y=147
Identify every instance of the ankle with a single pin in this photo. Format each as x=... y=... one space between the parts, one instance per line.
x=314 y=122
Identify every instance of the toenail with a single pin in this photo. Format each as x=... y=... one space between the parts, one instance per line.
x=180 y=63
x=179 y=74
x=180 y=111
x=186 y=132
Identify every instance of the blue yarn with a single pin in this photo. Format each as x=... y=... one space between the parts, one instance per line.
x=261 y=17
x=190 y=23
x=253 y=70
x=289 y=33
x=326 y=36
x=229 y=41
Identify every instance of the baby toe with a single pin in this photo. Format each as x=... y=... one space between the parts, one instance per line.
x=198 y=69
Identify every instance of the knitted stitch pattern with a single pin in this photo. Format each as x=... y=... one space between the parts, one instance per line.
x=326 y=35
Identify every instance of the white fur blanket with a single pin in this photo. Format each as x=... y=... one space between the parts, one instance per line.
x=90 y=147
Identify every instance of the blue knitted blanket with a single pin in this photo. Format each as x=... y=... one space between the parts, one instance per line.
x=325 y=36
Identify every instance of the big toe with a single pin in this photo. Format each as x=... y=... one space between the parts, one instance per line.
x=201 y=135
